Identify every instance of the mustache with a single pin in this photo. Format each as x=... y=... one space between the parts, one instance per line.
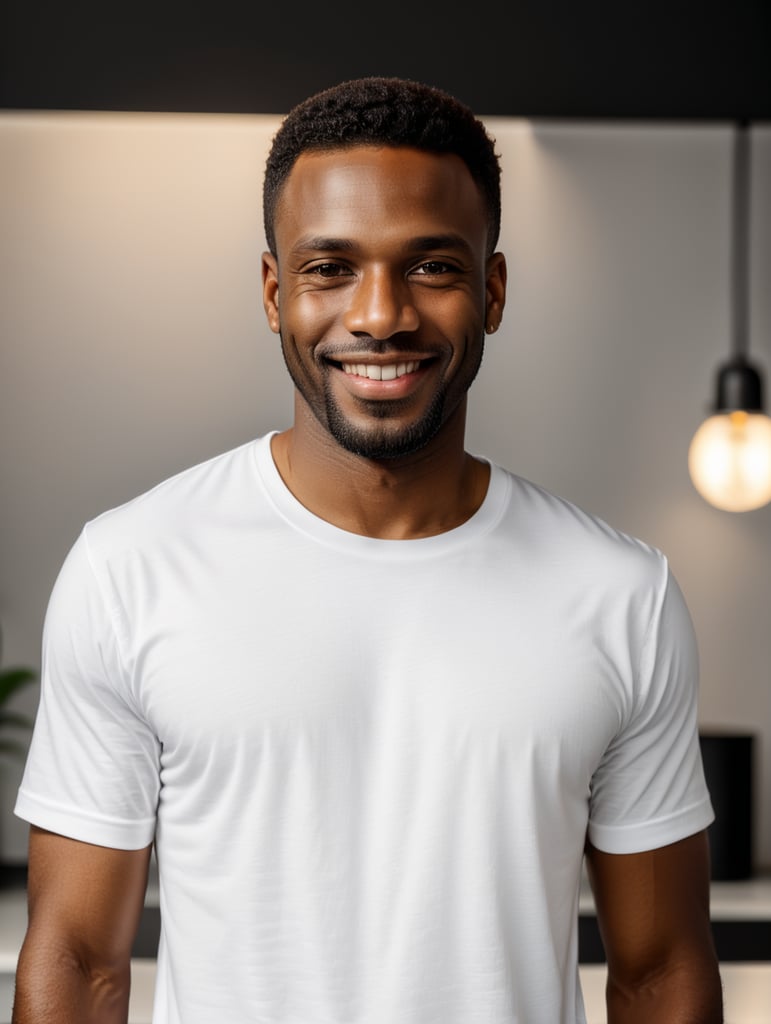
x=337 y=351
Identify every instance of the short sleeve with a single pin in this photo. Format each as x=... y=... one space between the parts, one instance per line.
x=92 y=772
x=649 y=789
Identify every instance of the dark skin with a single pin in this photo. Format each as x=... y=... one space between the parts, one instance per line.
x=85 y=902
x=653 y=914
x=382 y=271
x=408 y=280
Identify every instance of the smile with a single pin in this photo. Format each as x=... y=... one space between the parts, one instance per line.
x=374 y=372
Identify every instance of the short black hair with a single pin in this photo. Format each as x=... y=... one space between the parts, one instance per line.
x=384 y=112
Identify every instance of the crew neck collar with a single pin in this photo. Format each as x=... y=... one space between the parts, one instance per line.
x=300 y=518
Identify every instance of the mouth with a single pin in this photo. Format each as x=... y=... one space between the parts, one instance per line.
x=380 y=371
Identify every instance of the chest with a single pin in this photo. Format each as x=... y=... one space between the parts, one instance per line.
x=458 y=655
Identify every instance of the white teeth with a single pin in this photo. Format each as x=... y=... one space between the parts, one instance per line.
x=389 y=372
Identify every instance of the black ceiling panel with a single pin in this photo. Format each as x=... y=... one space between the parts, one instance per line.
x=548 y=59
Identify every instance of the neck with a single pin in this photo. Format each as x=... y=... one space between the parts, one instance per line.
x=420 y=495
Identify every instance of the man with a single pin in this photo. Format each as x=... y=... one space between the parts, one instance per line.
x=372 y=697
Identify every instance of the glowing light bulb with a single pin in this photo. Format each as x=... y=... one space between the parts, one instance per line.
x=730 y=460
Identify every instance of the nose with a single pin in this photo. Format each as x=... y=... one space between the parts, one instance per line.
x=381 y=306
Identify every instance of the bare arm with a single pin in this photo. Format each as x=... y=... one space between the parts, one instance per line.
x=84 y=907
x=653 y=915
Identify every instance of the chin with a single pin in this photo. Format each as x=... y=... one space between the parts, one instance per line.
x=380 y=449
x=380 y=444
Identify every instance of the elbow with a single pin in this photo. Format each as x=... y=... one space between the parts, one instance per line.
x=688 y=992
x=70 y=983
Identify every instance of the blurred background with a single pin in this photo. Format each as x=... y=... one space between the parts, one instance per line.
x=132 y=336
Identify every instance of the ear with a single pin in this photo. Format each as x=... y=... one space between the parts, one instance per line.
x=270 y=291
x=495 y=291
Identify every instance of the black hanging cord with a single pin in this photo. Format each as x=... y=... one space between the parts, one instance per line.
x=739 y=382
x=740 y=240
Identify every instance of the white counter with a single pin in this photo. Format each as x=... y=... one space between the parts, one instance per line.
x=746 y=992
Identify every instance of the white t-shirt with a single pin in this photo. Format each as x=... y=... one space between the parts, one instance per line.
x=369 y=766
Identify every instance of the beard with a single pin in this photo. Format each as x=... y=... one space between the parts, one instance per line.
x=380 y=439
x=377 y=441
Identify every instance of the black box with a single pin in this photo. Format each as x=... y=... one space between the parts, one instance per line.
x=728 y=769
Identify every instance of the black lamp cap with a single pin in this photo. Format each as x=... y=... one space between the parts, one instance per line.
x=739 y=386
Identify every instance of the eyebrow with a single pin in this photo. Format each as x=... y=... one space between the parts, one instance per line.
x=422 y=243
x=450 y=240
x=320 y=243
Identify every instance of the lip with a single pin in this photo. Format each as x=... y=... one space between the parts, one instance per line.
x=372 y=388
x=381 y=371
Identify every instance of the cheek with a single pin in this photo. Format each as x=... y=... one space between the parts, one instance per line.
x=457 y=315
x=312 y=313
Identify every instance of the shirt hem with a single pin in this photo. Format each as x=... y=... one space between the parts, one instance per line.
x=650 y=835
x=74 y=824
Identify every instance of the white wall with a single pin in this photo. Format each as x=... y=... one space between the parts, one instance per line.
x=133 y=345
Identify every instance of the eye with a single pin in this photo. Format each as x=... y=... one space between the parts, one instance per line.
x=434 y=268
x=328 y=270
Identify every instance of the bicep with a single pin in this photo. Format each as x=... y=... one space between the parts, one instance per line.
x=653 y=908
x=85 y=900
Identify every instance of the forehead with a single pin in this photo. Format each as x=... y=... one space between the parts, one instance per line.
x=347 y=192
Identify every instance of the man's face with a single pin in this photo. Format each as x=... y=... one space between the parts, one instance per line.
x=380 y=291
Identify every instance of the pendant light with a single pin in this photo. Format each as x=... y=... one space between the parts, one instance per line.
x=729 y=458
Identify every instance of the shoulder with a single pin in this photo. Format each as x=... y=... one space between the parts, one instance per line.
x=184 y=501
x=578 y=544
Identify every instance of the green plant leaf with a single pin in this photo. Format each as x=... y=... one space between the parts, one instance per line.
x=13 y=679
x=11 y=748
x=12 y=719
